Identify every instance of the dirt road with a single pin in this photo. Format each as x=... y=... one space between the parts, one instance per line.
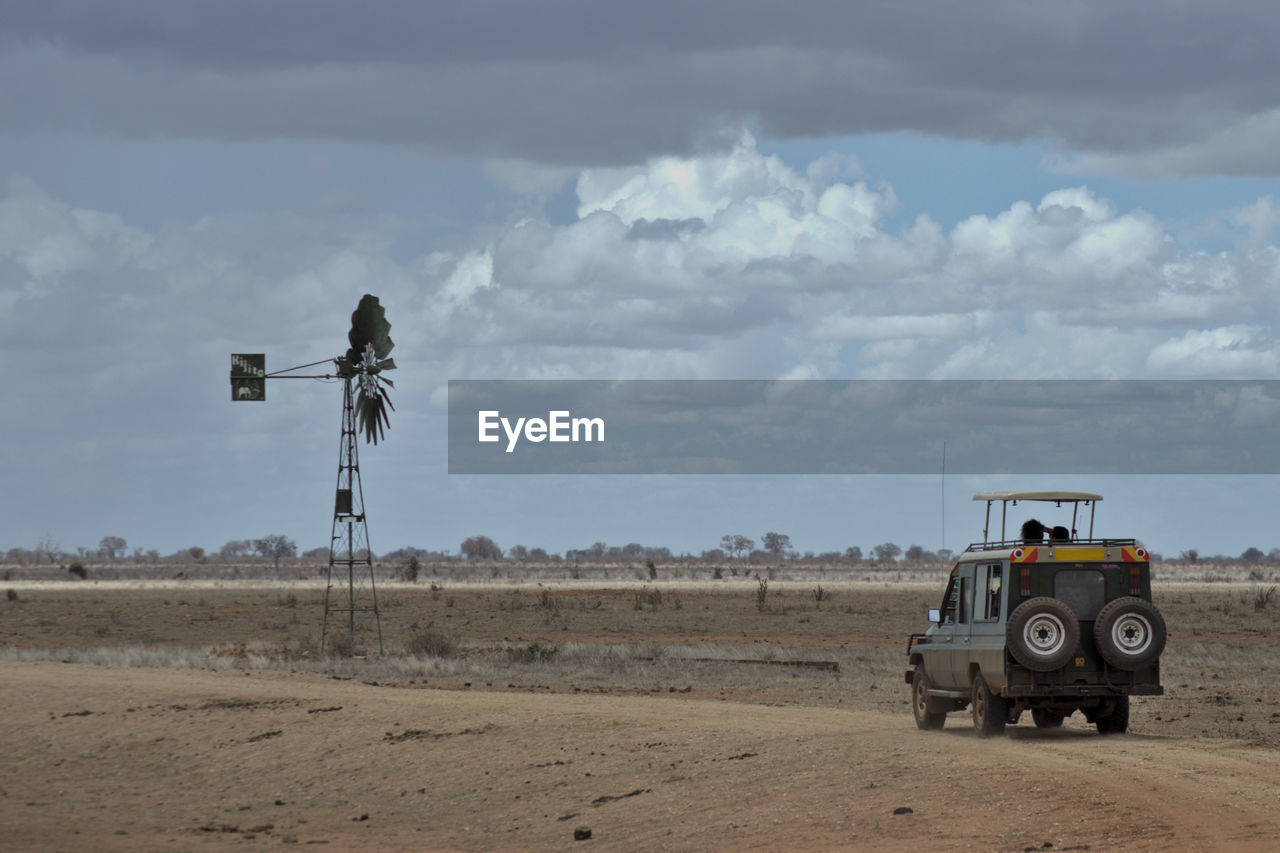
x=154 y=759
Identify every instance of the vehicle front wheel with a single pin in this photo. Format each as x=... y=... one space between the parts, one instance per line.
x=1116 y=722
x=926 y=719
x=989 y=710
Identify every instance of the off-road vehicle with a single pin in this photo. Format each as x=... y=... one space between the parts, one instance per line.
x=1051 y=622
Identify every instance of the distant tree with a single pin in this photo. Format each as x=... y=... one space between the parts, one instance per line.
x=47 y=549
x=235 y=548
x=1189 y=556
x=112 y=547
x=275 y=546
x=886 y=552
x=480 y=548
x=316 y=555
x=743 y=545
x=853 y=553
x=712 y=555
x=409 y=568
x=1252 y=555
x=518 y=552
x=917 y=554
x=20 y=556
x=726 y=543
x=538 y=555
x=944 y=555
x=196 y=552
x=776 y=544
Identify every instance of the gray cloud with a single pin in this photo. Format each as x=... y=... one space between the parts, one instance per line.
x=592 y=83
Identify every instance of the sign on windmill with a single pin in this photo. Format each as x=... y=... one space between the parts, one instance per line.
x=248 y=376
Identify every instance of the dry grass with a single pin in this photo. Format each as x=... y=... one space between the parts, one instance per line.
x=711 y=639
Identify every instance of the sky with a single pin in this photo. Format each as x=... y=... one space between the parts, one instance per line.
x=604 y=190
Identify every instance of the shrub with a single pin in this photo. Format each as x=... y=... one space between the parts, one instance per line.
x=762 y=593
x=1262 y=596
x=651 y=597
x=535 y=652
x=429 y=643
x=341 y=646
x=77 y=568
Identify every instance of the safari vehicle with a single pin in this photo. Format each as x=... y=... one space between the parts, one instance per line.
x=1051 y=622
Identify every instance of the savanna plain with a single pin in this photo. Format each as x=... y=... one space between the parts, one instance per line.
x=512 y=714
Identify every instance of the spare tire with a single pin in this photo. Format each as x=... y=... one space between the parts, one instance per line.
x=1130 y=633
x=1042 y=634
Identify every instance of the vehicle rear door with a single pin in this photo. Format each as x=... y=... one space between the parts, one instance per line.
x=960 y=654
x=986 y=626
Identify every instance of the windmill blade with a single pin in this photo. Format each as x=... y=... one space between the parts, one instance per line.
x=369 y=327
x=371 y=412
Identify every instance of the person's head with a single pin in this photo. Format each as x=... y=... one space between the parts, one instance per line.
x=1032 y=530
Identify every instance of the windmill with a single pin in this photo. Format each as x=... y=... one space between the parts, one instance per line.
x=365 y=407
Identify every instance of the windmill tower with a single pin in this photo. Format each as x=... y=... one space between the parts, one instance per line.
x=350 y=596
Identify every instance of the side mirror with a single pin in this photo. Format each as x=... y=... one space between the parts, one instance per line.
x=935 y=615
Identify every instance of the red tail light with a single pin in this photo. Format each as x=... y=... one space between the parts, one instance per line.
x=1135 y=580
x=1024 y=581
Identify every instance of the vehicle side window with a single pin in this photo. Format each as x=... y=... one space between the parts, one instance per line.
x=964 y=601
x=986 y=600
x=951 y=600
x=1083 y=590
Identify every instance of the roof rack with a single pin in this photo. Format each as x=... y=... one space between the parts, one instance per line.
x=1009 y=544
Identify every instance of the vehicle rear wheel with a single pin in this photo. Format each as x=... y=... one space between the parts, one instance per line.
x=1043 y=634
x=1116 y=722
x=1130 y=633
x=926 y=718
x=1045 y=718
x=989 y=710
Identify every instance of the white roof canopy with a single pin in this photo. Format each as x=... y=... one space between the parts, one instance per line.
x=1056 y=497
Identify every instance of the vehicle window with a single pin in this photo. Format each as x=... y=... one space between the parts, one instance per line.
x=951 y=600
x=964 y=601
x=1083 y=590
x=986 y=596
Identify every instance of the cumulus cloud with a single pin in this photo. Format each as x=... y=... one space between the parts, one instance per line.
x=725 y=265
x=1169 y=87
